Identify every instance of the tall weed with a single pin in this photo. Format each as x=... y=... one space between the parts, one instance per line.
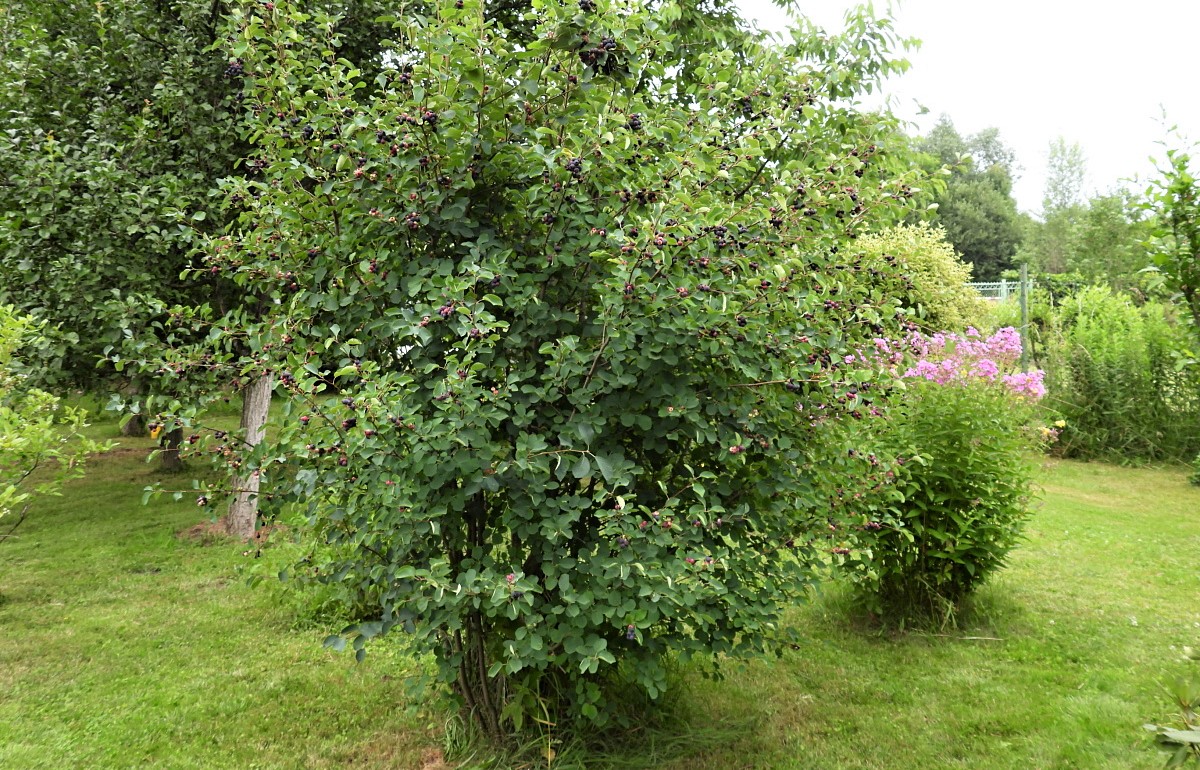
x=1113 y=375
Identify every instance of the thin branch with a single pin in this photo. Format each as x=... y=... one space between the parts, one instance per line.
x=17 y=523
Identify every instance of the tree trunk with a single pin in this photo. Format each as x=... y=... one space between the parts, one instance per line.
x=171 y=462
x=134 y=427
x=243 y=510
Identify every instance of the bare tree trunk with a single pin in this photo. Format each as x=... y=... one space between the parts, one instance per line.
x=171 y=462
x=243 y=510
x=134 y=427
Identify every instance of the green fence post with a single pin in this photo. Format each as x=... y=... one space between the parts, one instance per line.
x=1024 y=317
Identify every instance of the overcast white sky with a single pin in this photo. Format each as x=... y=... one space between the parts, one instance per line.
x=1099 y=73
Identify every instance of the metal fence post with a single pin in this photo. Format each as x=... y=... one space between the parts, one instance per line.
x=1024 y=317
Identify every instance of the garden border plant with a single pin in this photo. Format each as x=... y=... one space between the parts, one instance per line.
x=957 y=442
x=1183 y=739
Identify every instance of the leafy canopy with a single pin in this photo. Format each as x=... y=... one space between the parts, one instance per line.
x=976 y=206
x=559 y=345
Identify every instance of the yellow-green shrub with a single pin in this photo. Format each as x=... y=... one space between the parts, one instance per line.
x=939 y=297
x=36 y=432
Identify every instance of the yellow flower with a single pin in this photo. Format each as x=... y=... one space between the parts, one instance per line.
x=1060 y=423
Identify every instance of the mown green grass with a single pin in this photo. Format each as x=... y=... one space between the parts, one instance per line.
x=1069 y=645
x=122 y=645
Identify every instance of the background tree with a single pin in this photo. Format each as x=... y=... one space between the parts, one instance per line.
x=556 y=344
x=1098 y=241
x=1066 y=169
x=1050 y=244
x=1109 y=242
x=976 y=207
x=1176 y=201
x=115 y=118
x=118 y=121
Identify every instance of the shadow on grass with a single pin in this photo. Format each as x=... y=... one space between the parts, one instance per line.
x=677 y=729
x=991 y=612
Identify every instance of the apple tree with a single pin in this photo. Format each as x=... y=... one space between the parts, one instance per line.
x=117 y=121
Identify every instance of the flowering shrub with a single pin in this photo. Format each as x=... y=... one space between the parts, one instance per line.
x=947 y=358
x=958 y=440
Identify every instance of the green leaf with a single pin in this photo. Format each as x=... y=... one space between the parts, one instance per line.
x=1191 y=737
x=606 y=468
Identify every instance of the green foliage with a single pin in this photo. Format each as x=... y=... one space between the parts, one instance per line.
x=115 y=118
x=40 y=442
x=558 y=347
x=958 y=502
x=1053 y=288
x=938 y=297
x=1109 y=243
x=976 y=207
x=1183 y=739
x=1114 y=375
x=1102 y=242
x=117 y=121
x=1195 y=477
x=1175 y=199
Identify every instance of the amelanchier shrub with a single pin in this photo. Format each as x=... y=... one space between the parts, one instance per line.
x=957 y=443
x=558 y=343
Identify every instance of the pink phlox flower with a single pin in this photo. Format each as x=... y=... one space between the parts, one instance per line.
x=985 y=368
x=1029 y=384
x=949 y=358
x=926 y=369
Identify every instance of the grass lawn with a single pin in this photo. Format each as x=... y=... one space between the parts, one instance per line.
x=123 y=645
